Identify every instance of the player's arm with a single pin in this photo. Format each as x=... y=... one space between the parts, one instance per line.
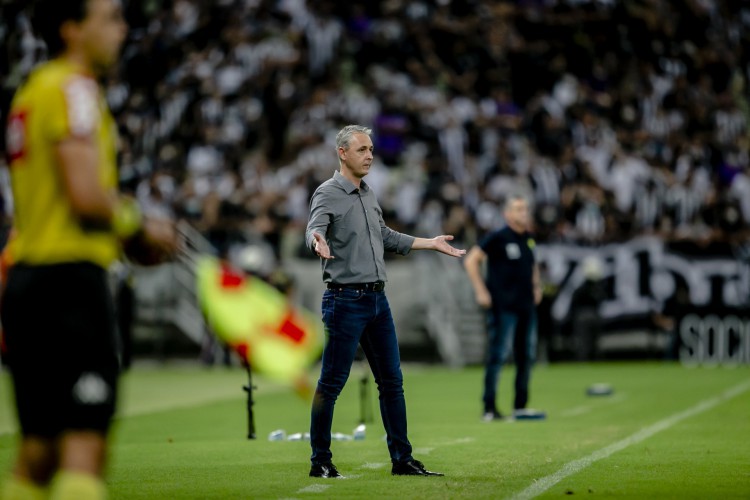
x=317 y=225
x=74 y=117
x=473 y=264
x=94 y=205
x=536 y=283
x=77 y=158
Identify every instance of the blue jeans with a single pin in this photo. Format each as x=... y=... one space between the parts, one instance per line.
x=506 y=329
x=354 y=317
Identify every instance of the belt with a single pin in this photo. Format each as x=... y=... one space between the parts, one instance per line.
x=375 y=286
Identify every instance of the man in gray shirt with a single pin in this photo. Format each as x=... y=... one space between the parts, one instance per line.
x=346 y=230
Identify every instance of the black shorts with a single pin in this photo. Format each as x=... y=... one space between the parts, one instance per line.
x=59 y=329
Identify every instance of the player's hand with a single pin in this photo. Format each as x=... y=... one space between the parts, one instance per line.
x=484 y=299
x=160 y=234
x=321 y=247
x=441 y=245
x=537 y=294
x=158 y=242
x=154 y=244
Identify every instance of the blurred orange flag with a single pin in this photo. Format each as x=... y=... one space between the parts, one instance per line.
x=259 y=322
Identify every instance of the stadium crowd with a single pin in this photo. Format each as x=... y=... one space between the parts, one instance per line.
x=618 y=118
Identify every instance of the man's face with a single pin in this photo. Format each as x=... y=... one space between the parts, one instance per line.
x=517 y=215
x=358 y=157
x=102 y=33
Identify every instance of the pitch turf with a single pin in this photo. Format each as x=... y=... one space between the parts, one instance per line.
x=666 y=432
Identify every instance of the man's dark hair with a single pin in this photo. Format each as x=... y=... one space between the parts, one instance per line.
x=49 y=15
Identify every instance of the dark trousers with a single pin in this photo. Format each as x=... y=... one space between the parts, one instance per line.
x=353 y=317
x=59 y=330
x=506 y=330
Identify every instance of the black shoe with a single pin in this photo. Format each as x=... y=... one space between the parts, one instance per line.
x=490 y=415
x=528 y=414
x=325 y=471
x=412 y=468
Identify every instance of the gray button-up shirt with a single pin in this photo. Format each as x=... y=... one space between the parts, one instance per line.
x=351 y=221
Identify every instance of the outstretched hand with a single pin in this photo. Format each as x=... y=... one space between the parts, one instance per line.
x=441 y=245
x=321 y=247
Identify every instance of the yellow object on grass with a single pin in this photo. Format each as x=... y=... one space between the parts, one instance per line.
x=278 y=340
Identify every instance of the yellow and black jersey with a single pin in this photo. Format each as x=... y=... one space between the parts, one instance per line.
x=56 y=103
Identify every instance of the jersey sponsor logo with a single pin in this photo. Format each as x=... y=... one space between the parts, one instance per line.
x=81 y=100
x=91 y=389
x=16 y=135
x=513 y=251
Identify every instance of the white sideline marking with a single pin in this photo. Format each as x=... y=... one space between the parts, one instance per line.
x=314 y=488
x=545 y=483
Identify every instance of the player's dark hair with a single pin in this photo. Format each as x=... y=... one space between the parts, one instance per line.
x=49 y=15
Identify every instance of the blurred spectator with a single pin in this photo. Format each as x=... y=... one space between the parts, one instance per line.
x=614 y=136
x=584 y=318
x=667 y=317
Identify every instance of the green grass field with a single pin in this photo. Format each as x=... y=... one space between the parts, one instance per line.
x=666 y=432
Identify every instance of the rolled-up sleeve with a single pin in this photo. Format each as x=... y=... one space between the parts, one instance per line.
x=393 y=241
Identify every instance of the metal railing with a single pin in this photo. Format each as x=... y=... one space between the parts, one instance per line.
x=166 y=295
x=453 y=320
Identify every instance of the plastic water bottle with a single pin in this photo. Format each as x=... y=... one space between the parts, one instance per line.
x=277 y=435
x=338 y=436
x=359 y=432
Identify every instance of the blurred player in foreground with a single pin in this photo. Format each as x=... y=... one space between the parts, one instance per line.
x=57 y=309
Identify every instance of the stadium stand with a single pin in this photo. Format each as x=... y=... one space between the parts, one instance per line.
x=620 y=119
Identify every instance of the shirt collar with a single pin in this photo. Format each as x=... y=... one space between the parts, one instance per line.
x=347 y=184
